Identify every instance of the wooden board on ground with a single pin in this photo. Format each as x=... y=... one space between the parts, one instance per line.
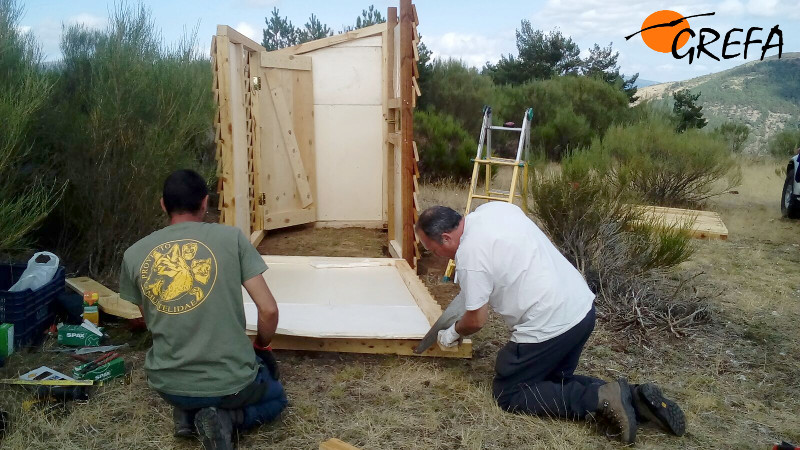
x=109 y=301
x=702 y=224
x=357 y=305
x=336 y=444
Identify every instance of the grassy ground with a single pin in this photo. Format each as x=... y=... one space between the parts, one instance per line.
x=736 y=378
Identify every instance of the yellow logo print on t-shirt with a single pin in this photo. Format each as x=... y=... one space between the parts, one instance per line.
x=178 y=275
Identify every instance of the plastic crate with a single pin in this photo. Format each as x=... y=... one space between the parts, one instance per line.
x=30 y=311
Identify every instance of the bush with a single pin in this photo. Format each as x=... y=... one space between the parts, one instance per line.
x=25 y=200
x=457 y=90
x=567 y=111
x=733 y=134
x=625 y=260
x=445 y=149
x=126 y=111
x=784 y=144
x=661 y=167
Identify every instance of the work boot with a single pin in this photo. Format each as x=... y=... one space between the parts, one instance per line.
x=614 y=403
x=651 y=405
x=214 y=427
x=184 y=422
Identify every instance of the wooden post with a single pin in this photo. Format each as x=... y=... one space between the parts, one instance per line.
x=390 y=119
x=407 y=129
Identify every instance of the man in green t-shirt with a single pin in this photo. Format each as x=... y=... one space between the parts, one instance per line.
x=187 y=279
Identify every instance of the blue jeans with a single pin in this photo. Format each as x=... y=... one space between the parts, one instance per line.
x=262 y=401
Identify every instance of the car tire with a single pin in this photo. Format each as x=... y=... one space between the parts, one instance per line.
x=790 y=205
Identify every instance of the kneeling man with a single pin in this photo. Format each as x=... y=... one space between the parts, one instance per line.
x=187 y=279
x=505 y=261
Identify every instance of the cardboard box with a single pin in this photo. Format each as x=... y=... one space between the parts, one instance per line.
x=113 y=369
x=6 y=340
x=77 y=336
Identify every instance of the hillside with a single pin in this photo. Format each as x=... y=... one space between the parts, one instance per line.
x=765 y=95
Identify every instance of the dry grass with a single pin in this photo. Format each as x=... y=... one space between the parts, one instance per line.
x=735 y=378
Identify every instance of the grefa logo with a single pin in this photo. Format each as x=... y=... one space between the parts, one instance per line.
x=667 y=31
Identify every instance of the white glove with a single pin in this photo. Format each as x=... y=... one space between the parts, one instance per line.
x=449 y=338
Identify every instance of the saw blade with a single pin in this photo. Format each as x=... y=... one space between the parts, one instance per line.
x=454 y=311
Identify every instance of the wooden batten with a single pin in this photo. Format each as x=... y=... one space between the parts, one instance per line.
x=306 y=47
x=239 y=38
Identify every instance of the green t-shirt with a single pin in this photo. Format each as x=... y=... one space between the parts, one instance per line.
x=188 y=279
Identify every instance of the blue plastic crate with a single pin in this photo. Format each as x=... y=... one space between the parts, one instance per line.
x=29 y=311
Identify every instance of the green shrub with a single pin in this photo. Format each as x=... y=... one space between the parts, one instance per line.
x=25 y=197
x=567 y=111
x=625 y=259
x=445 y=149
x=652 y=162
x=784 y=144
x=733 y=134
x=126 y=111
x=455 y=89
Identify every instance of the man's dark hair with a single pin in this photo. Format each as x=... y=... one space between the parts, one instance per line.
x=437 y=220
x=184 y=191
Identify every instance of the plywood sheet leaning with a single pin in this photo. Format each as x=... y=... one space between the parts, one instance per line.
x=359 y=305
x=109 y=301
x=701 y=224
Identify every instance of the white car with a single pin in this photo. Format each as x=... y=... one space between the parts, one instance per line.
x=790 y=200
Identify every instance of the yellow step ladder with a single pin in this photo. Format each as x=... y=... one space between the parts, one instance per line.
x=519 y=185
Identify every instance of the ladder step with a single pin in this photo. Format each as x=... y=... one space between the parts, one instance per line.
x=491 y=198
x=505 y=128
x=500 y=162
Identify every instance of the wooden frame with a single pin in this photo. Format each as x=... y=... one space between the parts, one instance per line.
x=427 y=305
x=379 y=116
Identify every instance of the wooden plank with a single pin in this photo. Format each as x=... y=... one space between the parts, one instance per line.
x=238 y=38
x=421 y=295
x=404 y=347
x=701 y=224
x=280 y=61
x=109 y=301
x=394 y=138
x=226 y=188
x=392 y=103
x=416 y=85
x=414 y=15
x=257 y=237
x=292 y=150
x=336 y=444
x=303 y=120
x=371 y=224
x=394 y=249
x=333 y=40
x=289 y=218
x=240 y=201
x=407 y=128
x=385 y=124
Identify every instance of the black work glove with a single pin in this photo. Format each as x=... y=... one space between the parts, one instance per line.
x=268 y=359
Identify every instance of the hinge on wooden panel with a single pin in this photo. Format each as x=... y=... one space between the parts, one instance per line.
x=262 y=199
x=256 y=82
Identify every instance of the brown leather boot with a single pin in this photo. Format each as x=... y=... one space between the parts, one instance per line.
x=651 y=404
x=614 y=403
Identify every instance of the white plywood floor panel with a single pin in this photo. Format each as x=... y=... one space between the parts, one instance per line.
x=340 y=297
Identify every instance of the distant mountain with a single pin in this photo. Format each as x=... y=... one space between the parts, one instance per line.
x=644 y=83
x=764 y=95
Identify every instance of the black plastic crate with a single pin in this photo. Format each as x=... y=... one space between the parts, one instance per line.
x=30 y=311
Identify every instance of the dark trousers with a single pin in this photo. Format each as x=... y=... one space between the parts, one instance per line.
x=261 y=401
x=539 y=378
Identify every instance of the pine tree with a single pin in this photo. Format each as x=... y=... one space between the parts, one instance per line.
x=686 y=111
x=314 y=29
x=280 y=32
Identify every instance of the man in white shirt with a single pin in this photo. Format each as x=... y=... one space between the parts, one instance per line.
x=505 y=261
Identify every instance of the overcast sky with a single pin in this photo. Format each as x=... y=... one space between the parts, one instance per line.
x=474 y=31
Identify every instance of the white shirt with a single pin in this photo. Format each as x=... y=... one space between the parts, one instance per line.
x=504 y=259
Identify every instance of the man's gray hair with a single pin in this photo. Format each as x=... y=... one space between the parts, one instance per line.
x=437 y=220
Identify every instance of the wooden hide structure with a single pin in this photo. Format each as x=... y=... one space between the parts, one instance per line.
x=321 y=132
